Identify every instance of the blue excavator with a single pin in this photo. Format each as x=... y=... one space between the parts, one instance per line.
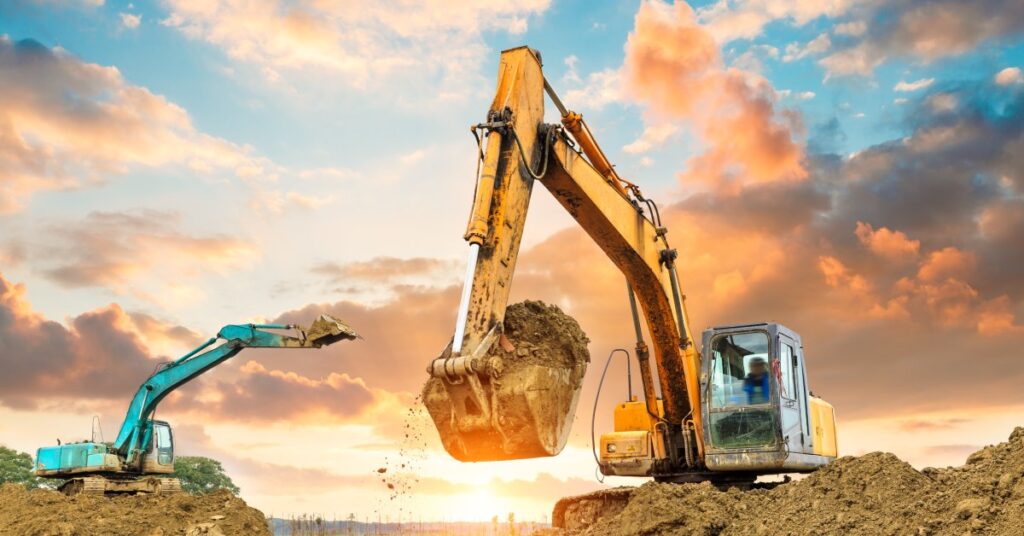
x=141 y=458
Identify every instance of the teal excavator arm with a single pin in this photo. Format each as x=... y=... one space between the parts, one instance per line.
x=133 y=437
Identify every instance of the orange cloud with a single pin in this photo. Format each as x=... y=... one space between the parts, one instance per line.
x=141 y=253
x=367 y=43
x=893 y=245
x=66 y=123
x=97 y=356
x=949 y=262
x=254 y=393
x=674 y=66
x=387 y=270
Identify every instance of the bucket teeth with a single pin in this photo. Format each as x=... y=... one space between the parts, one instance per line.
x=526 y=413
x=327 y=330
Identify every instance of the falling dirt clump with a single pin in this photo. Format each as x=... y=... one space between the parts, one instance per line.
x=45 y=512
x=874 y=494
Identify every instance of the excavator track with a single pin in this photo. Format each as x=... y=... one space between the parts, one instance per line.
x=84 y=486
x=575 y=514
x=99 y=485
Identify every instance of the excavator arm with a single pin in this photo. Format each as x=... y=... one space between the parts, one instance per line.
x=134 y=435
x=520 y=150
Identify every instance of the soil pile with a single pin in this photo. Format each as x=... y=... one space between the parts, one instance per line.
x=51 y=513
x=873 y=494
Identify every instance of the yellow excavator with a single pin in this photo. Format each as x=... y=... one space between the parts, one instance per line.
x=738 y=409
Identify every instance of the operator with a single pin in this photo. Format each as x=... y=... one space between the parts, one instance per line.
x=756 y=383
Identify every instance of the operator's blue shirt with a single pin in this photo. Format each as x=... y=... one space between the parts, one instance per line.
x=756 y=389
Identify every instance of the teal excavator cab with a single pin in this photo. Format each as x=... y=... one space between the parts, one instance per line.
x=141 y=458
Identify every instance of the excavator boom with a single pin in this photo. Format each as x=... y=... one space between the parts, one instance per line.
x=520 y=150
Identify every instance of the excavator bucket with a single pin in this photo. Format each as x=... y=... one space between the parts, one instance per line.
x=327 y=330
x=519 y=393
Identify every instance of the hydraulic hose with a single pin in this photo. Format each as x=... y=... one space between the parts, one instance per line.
x=597 y=396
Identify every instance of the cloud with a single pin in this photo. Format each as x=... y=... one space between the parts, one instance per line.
x=652 y=137
x=277 y=202
x=673 y=66
x=753 y=58
x=913 y=86
x=853 y=28
x=366 y=44
x=600 y=89
x=921 y=30
x=1009 y=76
x=102 y=356
x=728 y=20
x=917 y=425
x=386 y=270
x=259 y=394
x=893 y=245
x=130 y=21
x=98 y=355
x=163 y=337
x=814 y=47
x=400 y=336
x=65 y=123
x=142 y=253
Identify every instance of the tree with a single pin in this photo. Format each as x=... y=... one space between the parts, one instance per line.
x=16 y=467
x=200 y=475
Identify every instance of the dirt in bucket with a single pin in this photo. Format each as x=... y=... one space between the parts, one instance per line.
x=532 y=390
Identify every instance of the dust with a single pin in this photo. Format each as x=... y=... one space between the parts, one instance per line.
x=51 y=513
x=874 y=494
x=400 y=473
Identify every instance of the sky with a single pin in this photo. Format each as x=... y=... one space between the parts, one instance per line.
x=851 y=169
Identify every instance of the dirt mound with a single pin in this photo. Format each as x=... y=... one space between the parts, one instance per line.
x=46 y=513
x=870 y=495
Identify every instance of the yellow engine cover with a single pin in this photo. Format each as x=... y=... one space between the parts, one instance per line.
x=823 y=427
x=626 y=453
x=633 y=417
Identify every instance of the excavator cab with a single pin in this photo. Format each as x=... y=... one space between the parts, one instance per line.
x=758 y=414
x=159 y=458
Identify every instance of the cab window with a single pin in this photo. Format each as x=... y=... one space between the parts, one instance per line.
x=786 y=364
x=740 y=373
x=164 y=444
x=741 y=413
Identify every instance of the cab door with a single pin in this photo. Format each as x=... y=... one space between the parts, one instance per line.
x=792 y=400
